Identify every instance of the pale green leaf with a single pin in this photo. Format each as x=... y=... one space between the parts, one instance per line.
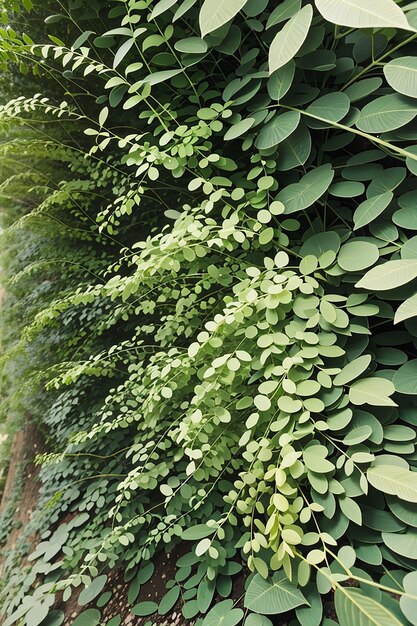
x=373 y=391
x=406 y=310
x=357 y=255
x=408 y=603
x=404 y=544
x=358 y=14
x=370 y=209
x=290 y=38
x=389 y=275
x=394 y=480
x=401 y=75
x=272 y=596
x=215 y=13
x=353 y=369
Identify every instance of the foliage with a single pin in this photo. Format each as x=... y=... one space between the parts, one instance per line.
x=211 y=274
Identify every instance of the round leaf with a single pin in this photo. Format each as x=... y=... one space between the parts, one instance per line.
x=401 y=75
x=357 y=255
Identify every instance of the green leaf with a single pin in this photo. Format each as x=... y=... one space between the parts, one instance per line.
x=90 y=617
x=310 y=188
x=406 y=310
x=353 y=369
x=404 y=544
x=405 y=378
x=122 y=52
x=357 y=255
x=332 y=107
x=373 y=391
x=144 y=608
x=169 y=600
x=82 y=39
x=311 y=615
x=280 y=81
x=223 y=614
x=354 y=607
x=290 y=38
x=283 y=12
x=145 y=573
x=401 y=75
x=216 y=13
x=357 y=435
x=161 y=7
x=369 y=210
x=160 y=77
x=363 y=88
x=386 y=113
x=272 y=596
x=409 y=604
x=295 y=151
x=389 y=275
x=347 y=189
x=409 y=249
x=89 y=593
x=351 y=510
x=315 y=460
x=191 y=45
x=54 y=618
x=199 y=531
x=321 y=243
x=394 y=480
x=240 y=128
x=356 y=14
x=406 y=512
x=37 y=613
x=276 y=131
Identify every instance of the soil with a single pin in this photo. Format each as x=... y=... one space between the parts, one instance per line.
x=26 y=445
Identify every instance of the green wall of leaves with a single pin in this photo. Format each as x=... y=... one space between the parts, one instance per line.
x=210 y=256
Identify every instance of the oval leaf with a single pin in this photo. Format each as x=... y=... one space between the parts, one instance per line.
x=386 y=113
x=310 y=188
x=373 y=391
x=359 y=14
x=290 y=38
x=389 y=275
x=369 y=210
x=401 y=75
x=394 y=480
x=279 y=129
x=215 y=13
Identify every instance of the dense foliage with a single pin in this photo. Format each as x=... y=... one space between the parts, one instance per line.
x=211 y=272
